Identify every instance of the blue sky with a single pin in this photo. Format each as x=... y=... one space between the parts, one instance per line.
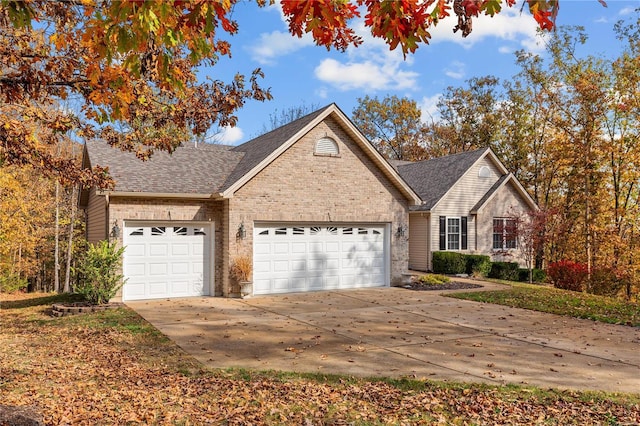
x=298 y=72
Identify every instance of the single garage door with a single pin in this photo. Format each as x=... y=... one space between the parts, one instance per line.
x=164 y=260
x=318 y=257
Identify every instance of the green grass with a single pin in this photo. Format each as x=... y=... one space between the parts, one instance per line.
x=561 y=302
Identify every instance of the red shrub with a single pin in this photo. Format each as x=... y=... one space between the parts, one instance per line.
x=568 y=275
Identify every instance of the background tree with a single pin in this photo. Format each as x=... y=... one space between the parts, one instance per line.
x=131 y=65
x=280 y=118
x=393 y=125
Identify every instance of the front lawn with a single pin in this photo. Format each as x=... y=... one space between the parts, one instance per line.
x=113 y=367
x=562 y=302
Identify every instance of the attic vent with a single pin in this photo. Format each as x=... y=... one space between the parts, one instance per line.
x=484 y=172
x=326 y=146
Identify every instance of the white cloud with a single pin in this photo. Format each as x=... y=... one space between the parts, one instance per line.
x=322 y=92
x=509 y=25
x=229 y=135
x=372 y=66
x=371 y=75
x=429 y=108
x=456 y=70
x=626 y=11
x=275 y=44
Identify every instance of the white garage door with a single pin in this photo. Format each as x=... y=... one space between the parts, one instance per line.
x=166 y=260
x=318 y=257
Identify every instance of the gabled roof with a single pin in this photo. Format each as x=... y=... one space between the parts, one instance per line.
x=503 y=181
x=190 y=169
x=260 y=152
x=257 y=150
x=432 y=179
x=208 y=171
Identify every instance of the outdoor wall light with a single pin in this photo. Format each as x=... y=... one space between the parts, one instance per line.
x=115 y=230
x=400 y=231
x=241 y=232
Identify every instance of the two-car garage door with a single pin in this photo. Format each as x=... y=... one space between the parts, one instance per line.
x=294 y=258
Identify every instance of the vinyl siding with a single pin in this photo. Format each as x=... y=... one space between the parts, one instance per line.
x=418 y=242
x=96 y=217
x=459 y=201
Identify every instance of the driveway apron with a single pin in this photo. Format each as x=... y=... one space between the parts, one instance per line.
x=396 y=332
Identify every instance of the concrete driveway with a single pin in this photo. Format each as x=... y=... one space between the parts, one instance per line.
x=397 y=332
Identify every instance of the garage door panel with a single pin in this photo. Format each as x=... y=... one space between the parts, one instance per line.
x=136 y=270
x=158 y=249
x=306 y=258
x=134 y=250
x=158 y=268
x=166 y=261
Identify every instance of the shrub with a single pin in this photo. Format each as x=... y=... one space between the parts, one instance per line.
x=433 y=279
x=99 y=279
x=605 y=282
x=538 y=275
x=568 y=275
x=241 y=268
x=504 y=271
x=477 y=265
x=12 y=282
x=448 y=262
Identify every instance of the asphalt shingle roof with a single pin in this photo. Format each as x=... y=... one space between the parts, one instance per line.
x=261 y=147
x=431 y=179
x=190 y=169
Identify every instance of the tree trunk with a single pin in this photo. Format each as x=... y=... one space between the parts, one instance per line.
x=67 y=286
x=56 y=255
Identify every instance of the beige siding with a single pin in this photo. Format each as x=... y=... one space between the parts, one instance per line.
x=464 y=195
x=302 y=187
x=418 y=241
x=96 y=217
x=130 y=209
x=506 y=203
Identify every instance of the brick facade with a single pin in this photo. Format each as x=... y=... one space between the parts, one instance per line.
x=298 y=186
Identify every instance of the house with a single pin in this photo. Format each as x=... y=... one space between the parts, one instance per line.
x=312 y=203
x=469 y=204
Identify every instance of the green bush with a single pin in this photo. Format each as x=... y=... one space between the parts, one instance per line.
x=99 y=279
x=448 y=262
x=477 y=265
x=12 y=282
x=504 y=271
x=538 y=275
x=433 y=279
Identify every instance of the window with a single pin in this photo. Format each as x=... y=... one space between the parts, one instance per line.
x=453 y=233
x=281 y=231
x=180 y=230
x=326 y=146
x=504 y=233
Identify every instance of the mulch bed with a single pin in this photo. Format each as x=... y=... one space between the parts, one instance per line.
x=453 y=285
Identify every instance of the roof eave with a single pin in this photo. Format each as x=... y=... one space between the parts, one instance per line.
x=172 y=195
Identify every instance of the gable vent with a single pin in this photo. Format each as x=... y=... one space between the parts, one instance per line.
x=326 y=146
x=484 y=172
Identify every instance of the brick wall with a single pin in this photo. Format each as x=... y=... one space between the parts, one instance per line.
x=302 y=187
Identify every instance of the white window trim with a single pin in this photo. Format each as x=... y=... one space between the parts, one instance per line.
x=459 y=219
